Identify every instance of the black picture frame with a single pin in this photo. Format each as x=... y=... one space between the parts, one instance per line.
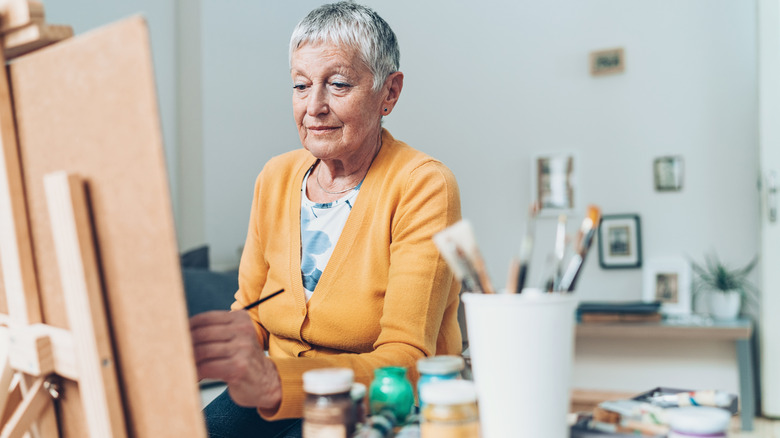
x=620 y=241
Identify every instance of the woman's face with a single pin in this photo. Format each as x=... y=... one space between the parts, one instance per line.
x=337 y=112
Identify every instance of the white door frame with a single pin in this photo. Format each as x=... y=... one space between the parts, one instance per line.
x=769 y=156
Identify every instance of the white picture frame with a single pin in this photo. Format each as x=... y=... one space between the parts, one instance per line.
x=554 y=183
x=668 y=280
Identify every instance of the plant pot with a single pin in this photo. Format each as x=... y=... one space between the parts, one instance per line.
x=725 y=304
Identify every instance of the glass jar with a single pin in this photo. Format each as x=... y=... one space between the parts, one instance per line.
x=328 y=410
x=450 y=410
x=433 y=369
x=391 y=391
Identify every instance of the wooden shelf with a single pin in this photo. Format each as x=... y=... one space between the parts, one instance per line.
x=718 y=331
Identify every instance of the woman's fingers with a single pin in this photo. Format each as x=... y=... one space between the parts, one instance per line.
x=224 y=344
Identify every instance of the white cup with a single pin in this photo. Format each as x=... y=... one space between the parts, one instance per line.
x=521 y=349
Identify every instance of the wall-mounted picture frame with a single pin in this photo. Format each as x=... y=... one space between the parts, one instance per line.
x=620 y=241
x=607 y=62
x=668 y=280
x=553 y=183
x=668 y=173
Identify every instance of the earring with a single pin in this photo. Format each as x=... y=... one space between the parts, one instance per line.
x=385 y=109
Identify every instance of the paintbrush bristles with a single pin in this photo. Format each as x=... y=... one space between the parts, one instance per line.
x=458 y=247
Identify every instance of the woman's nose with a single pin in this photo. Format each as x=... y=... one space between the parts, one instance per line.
x=318 y=101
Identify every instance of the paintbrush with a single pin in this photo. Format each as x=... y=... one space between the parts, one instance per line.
x=526 y=248
x=584 y=239
x=458 y=247
x=261 y=300
x=560 y=249
x=459 y=265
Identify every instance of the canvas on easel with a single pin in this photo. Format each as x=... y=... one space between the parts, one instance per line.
x=87 y=106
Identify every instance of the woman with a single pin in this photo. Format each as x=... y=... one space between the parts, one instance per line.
x=344 y=226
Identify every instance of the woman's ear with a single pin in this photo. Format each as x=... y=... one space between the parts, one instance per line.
x=393 y=86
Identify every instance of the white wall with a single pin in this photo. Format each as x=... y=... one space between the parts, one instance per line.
x=247 y=110
x=489 y=84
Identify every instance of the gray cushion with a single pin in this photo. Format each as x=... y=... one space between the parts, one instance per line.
x=209 y=290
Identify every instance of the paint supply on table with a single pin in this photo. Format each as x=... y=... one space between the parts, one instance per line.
x=358 y=395
x=391 y=391
x=718 y=399
x=328 y=410
x=376 y=426
x=437 y=368
x=411 y=429
x=698 y=421
x=450 y=410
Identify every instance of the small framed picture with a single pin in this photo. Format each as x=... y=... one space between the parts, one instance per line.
x=620 y=241
x=553 y=183
x=607 y=62
x=668 y=280
x=668 y=174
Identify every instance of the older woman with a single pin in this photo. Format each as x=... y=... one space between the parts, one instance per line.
x=344 y=226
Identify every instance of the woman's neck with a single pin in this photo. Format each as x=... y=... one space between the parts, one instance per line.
x=331 y=179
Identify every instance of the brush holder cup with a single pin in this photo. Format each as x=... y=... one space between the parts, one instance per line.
x=521 y=348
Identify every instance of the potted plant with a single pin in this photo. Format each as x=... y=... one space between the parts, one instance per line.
x=727 y=288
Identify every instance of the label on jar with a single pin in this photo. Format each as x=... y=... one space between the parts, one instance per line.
x=431 y=429
x=318 y=430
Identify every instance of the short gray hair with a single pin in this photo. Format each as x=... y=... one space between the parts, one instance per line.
x=356 y=26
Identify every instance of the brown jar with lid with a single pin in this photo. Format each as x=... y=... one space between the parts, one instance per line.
x=328 y=410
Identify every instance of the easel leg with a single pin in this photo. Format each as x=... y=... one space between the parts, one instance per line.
x=13 y=400
x=6 y=372
x=79 y=272
x=34 y=403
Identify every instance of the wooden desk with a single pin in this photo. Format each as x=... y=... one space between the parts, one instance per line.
x=740 y=331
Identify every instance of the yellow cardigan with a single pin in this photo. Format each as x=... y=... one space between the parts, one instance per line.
x=386 y=297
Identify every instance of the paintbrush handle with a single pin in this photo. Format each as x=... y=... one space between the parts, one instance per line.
x=522 y=273
x=261 y=300
x=571 y=274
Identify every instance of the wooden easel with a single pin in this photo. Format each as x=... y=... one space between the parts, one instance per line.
x=38 y=352
x=68 y=372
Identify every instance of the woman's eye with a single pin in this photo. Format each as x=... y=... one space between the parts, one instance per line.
x=299 y=87
x=340 y=85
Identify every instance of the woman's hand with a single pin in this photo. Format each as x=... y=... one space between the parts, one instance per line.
x=227 y=348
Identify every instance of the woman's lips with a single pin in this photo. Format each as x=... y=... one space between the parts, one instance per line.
x=321 y=129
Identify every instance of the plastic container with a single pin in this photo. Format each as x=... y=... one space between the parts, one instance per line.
x=434 y=369
x=328 y=410
x=698 y=421
x=391 y=391
x=450 y=410
x=521 y=348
